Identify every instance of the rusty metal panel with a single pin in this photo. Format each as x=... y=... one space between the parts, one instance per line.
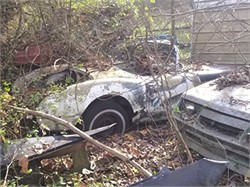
x=242 y=169
x=215 y=145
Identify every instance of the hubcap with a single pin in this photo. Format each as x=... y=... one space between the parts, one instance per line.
x=108 y=117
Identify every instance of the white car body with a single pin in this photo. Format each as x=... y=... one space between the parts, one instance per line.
x=143 y=93
x=216 y=123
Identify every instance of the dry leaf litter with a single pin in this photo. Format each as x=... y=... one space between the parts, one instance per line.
x=152 y=147
x=240 y=76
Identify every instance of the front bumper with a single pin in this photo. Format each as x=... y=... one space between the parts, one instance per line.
x=216 y=145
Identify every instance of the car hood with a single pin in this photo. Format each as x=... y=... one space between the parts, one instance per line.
x=166 y=80
x=113 y=72
x=234 y=100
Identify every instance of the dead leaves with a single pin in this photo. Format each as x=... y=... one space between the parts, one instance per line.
x=3 y=114
x=40 y=147
x=44 y=128
x=58 y=164
x=238 y=77
x=86 y=171
x=24 y=164
x=151 y=147
x=129 y=137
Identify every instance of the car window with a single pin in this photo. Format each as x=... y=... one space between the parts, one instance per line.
x=64 y=78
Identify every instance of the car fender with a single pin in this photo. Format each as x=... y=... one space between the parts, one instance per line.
x=72 y=102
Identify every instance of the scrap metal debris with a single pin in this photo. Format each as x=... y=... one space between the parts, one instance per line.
x=194 y=174
x=240 y=76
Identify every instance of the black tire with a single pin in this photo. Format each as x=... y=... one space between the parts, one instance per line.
x=105 y=113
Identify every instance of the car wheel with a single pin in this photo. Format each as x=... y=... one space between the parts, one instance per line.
x=105 y=113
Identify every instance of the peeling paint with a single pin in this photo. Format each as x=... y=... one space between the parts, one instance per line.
x=219 y=128
x=140 y=91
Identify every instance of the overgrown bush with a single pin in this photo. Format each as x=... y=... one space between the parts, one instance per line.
x=76 y=31
x=91 y=32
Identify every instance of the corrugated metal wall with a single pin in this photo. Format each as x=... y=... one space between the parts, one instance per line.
x=221 y=31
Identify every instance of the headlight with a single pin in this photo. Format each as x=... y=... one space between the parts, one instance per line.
x=187 y=107
x=190 y=107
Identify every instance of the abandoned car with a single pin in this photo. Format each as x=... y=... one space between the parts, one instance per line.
x=215 y=122
x=103 y=98
x=99 y=99
x=153 y=49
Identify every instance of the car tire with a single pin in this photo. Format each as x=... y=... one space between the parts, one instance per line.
x=105 y=113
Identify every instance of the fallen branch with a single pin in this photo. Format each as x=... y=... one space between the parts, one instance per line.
x=7 y=170
x=86 y=137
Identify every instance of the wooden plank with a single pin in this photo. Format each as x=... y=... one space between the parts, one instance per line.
x=219 y=28
x=229 y=21
x=225 y=48
x=223 y=58
x=80 y=159
x=220 y=37
x=225 y=15
x=206 y=27
x=201 y=4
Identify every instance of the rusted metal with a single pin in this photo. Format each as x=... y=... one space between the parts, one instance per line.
x=42 y=147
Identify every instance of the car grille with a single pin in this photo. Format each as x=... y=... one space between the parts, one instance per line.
x=218 y=121
x=217 y=135
x=220 y=127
